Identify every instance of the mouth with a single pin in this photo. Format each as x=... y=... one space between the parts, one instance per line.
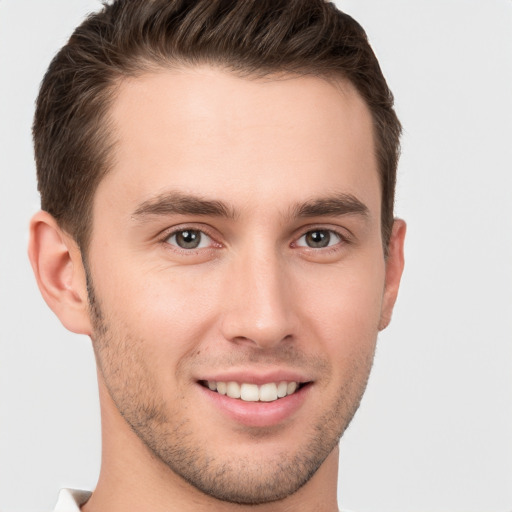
x=247 y=392
x=257 y=401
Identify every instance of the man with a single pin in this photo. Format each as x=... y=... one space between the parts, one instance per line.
x=217 y=183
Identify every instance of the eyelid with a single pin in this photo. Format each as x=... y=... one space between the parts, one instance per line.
x=202 y=228
x=343 y=234
x=330 y=246
x=204 y=239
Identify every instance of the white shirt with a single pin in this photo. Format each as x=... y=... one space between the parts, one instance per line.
x=71 y=500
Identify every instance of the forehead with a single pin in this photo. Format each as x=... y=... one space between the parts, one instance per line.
x=207 y=131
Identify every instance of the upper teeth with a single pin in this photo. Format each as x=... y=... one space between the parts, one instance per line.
x=252 y=392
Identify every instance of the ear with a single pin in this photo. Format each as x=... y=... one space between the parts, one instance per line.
x=394 y=269
x=57 y=264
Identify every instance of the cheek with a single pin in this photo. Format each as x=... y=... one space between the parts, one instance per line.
x=157 y=322
x=165 y=307
x=343 y=305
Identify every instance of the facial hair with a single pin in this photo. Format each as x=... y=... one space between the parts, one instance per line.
x=169 y=434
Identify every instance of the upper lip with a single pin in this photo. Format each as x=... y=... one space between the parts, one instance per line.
x=259 y=378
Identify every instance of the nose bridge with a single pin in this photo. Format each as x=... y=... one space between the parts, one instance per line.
x=260 y=308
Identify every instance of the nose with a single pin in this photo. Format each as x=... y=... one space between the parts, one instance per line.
x=259 y=308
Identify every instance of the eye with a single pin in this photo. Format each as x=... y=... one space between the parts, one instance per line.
x=319 y=238
x=189 y=239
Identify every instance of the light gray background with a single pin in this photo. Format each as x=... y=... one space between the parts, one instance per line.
x=434 y=432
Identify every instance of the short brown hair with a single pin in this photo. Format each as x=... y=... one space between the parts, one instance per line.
x=250 y=37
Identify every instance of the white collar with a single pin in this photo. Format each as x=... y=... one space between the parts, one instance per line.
x=70 y=500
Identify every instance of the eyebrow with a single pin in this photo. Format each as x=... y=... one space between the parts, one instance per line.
x=335 y=205
x=177 y=203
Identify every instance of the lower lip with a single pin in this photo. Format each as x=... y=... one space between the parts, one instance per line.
x=258 y=414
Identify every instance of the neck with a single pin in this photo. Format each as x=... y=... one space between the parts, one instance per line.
x=132 y=478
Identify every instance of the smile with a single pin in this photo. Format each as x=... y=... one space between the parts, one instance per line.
x=268 y=392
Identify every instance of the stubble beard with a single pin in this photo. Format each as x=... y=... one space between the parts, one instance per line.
x=172 y=439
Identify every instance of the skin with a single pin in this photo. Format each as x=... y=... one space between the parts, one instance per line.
x=253 y=297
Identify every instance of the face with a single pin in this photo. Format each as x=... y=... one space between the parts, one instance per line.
x=237 y=274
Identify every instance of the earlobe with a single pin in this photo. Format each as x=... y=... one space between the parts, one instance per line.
x=394 y=268
x=57 y=265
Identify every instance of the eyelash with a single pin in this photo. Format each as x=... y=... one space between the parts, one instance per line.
x=181 y=229
x=343 y=240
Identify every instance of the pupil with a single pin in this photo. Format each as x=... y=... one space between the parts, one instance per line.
x=318 y=239
x=188 y=239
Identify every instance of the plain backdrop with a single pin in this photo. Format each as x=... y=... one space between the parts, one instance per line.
x=434 y=432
